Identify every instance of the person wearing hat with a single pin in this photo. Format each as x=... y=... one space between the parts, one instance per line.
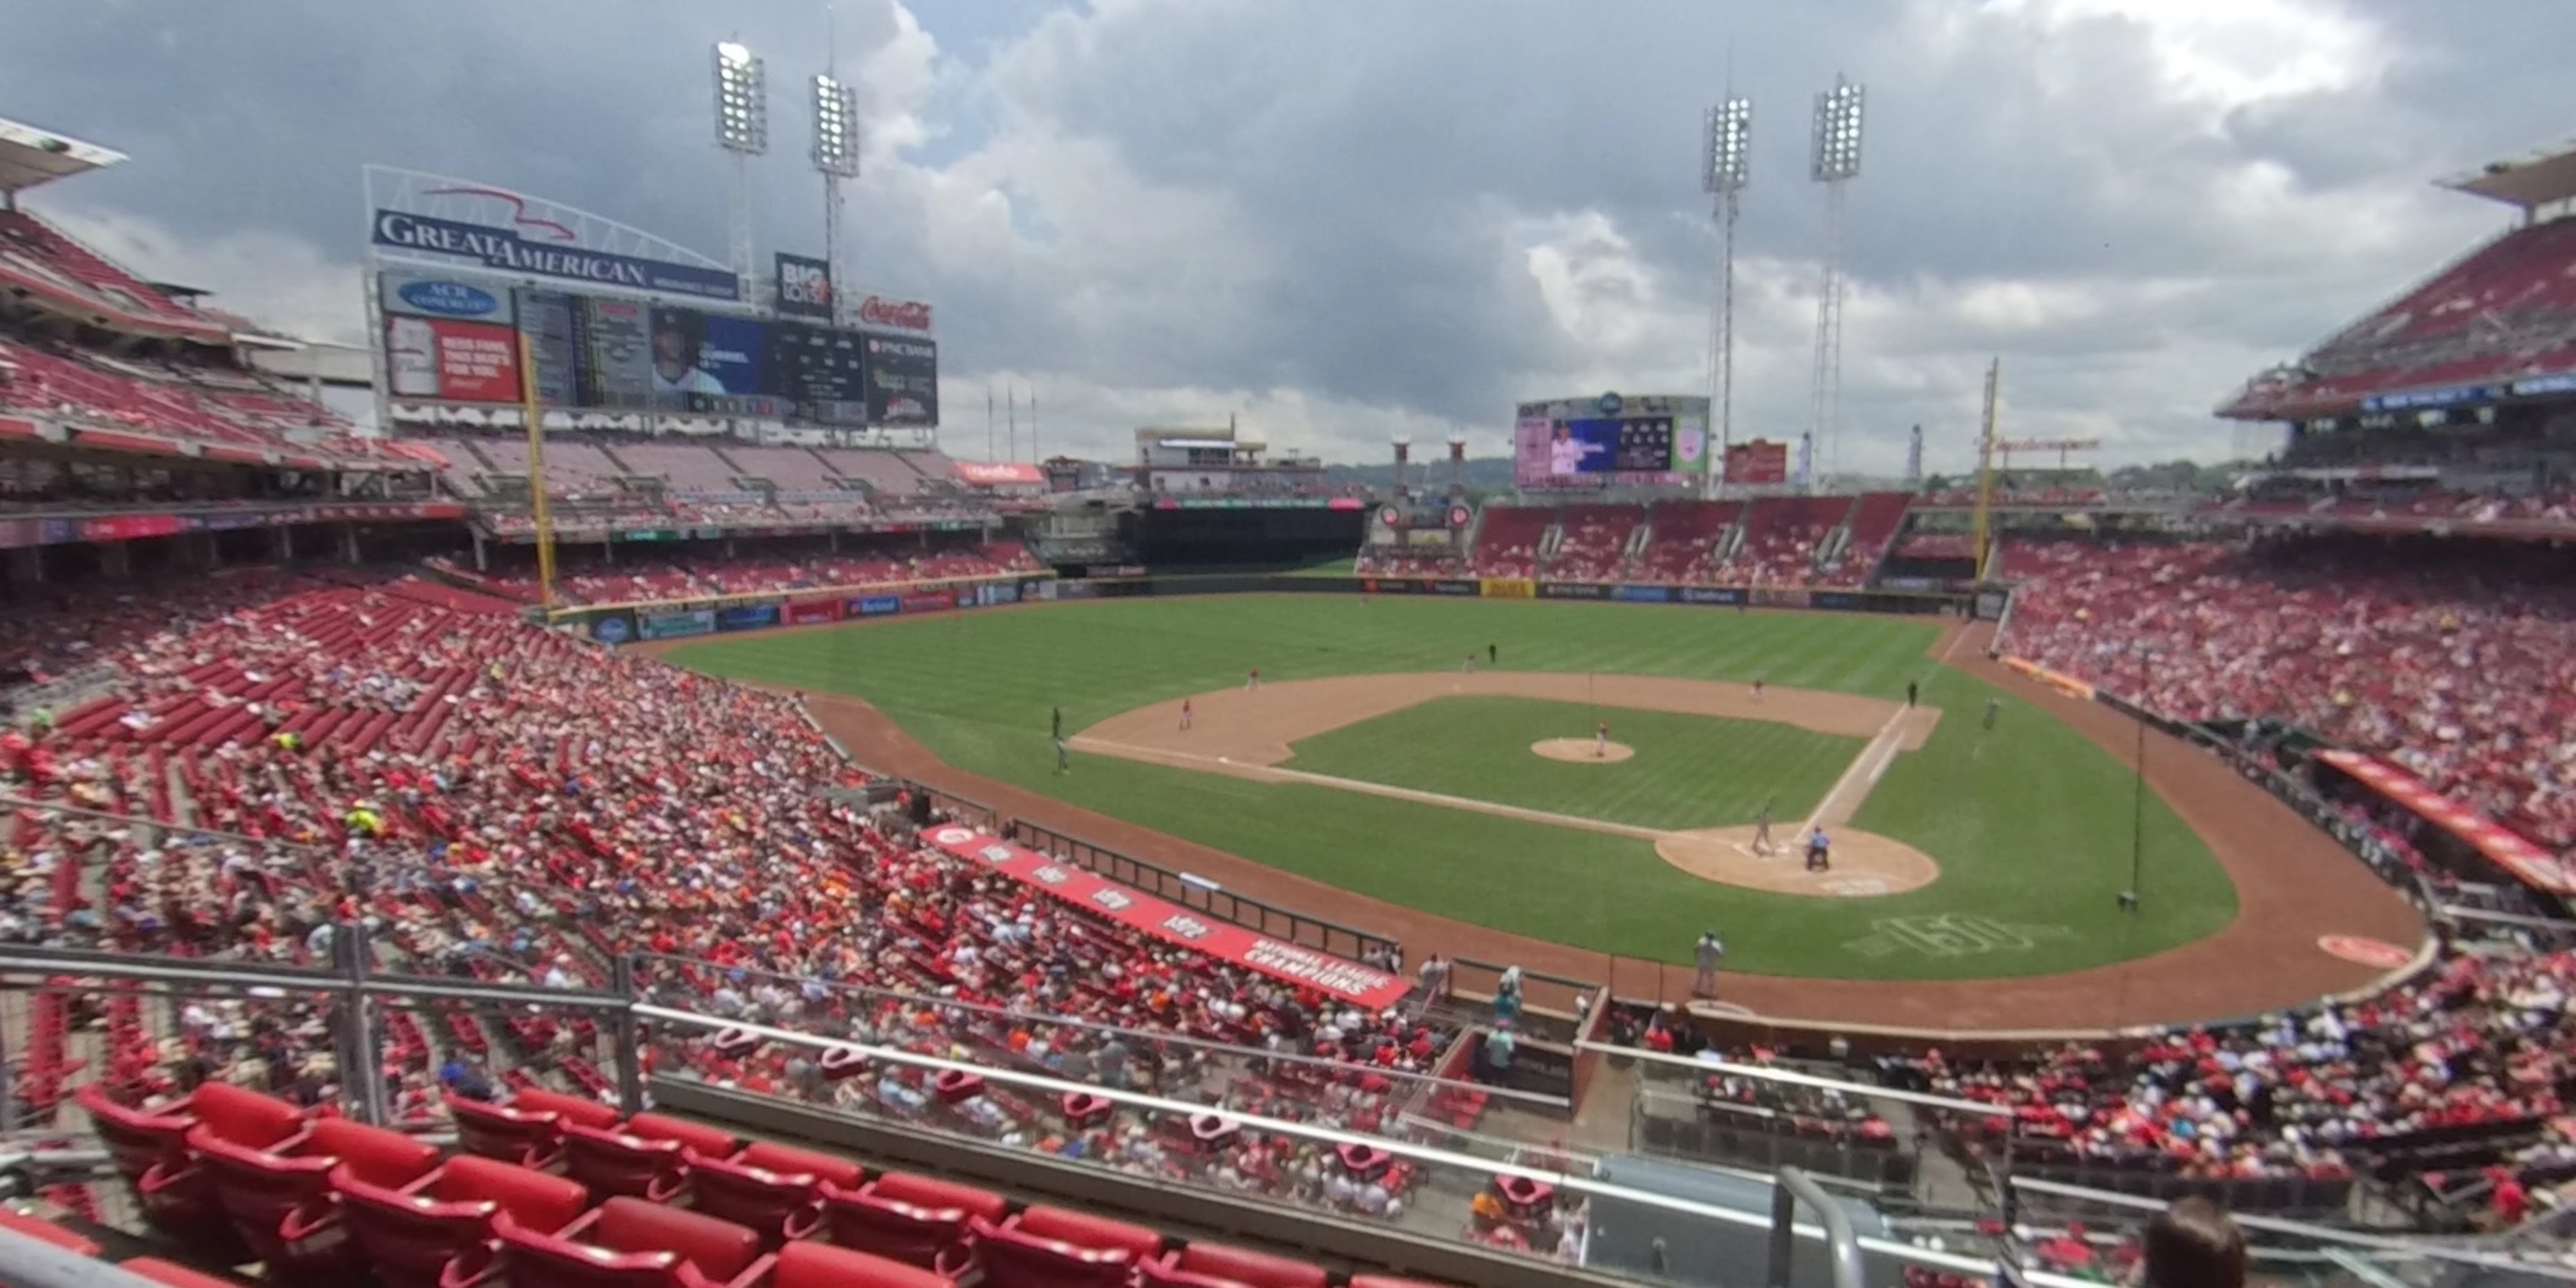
x=1708 y=953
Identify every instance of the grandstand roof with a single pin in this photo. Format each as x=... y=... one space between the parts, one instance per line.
x=30 y=155
x=2539 y=179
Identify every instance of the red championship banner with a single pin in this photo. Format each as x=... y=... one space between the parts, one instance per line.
x=1759 y=461
x=1358 y=985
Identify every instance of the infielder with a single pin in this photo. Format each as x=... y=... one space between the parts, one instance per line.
x=1252 y=681
x=1601 y=740
x=1185 y=714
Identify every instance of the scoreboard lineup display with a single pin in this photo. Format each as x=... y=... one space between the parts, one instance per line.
x=1610 y=438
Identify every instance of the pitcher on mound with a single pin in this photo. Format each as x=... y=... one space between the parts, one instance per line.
x=1601 y=740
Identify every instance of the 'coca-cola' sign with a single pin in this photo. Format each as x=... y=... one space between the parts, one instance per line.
x=903 y=315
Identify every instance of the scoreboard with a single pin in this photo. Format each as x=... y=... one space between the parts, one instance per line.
x=1590 y=442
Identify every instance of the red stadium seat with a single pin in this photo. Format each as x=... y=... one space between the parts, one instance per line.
x=913 y=1219
x=1218 y=1261
x=623 y=1243
x=709 y=1142
x=1086 y=1230
x=1014 y=1257
x=529 y=1129
x=820 y=1265
x=178 y=1193
x=780 y=1205
x=280 y=1198
x=614 y=1161
x=411 y=1233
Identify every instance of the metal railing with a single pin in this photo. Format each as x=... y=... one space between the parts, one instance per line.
x=692 y=1049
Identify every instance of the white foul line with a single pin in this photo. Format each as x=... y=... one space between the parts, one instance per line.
x=1881 y=748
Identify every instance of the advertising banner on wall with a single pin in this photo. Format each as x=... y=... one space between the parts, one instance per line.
x=421 y=295
x=804 y=286
x=885 y=313
x=806 y=612
x=670 y=626
x=433 y=218
x=1509 y=587
x=1757 y=462
x=875 y=605
x=1362 y=986
x=903 y=380
x=929 y=603
x=427 y=357
x=1572 y=590
x=613 y=628
x=746 y=617
x=1643 y=594
x=1723 y=595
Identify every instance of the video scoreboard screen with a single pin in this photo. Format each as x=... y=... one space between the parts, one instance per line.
x=1592 y=442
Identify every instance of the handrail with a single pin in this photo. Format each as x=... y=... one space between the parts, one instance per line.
x=1793 y=1187
x=1794 y=1078
x=33 y=1263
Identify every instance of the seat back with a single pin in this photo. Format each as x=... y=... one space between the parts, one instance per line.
x=748 y=1195
x=137 y=1138
x=528 y=1257
x=820 y=1265
x=536 y=1200
x=377 y=1155
x=409 y=1237
x=719 y=1249
x=1012 y=1257
x=248 y=1118
x=931 y=1192
x=788 y=1158
x=569 y=1109
x=256 y=1186
x=1260 y=1269
x=505 y=1132
x=612 y=1162
x=710 y=1142
x=892 y=1228
x=1083 y=1230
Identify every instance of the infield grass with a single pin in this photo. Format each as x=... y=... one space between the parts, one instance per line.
x=2031 y=824
x=1689 y=771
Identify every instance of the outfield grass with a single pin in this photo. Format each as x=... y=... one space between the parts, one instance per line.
x=2031 y=824
x=1689 y=771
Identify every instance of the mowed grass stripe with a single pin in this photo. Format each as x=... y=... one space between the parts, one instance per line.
x=1688 y=771
x=2030 y=824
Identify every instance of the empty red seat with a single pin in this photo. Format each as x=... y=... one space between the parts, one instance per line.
x=177 y=1193
x=709 y=1142
x=614 y=1161
x=279 y=1197
x=820 y=1265
x=136 y=1137
x=1085 y=1230
x=529 y=1129
x=774 y=1189
x=917 y=1220
x=1201 y=1262
x=1011 y=1257
x=411 y=1233
x=623 y=1243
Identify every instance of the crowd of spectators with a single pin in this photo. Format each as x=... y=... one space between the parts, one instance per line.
x=780 y=568
x=523 y=806
x=2457 y=663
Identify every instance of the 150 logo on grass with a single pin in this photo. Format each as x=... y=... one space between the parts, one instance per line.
x=1952 y=935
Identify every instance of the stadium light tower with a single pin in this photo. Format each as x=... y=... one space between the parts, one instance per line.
x=1725 y=167
x=742 y=128
x=836 y=158
x=1834 y=163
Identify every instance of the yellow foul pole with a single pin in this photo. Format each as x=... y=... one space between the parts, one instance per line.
x=532 y=415
x=1985 y=534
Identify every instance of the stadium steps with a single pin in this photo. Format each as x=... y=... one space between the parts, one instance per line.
x=489 y=467
x=616 y=460
x=738 y=468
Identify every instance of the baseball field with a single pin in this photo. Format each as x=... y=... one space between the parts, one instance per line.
x=1373 y=759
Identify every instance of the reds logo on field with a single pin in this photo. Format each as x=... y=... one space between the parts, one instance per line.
x=902 y=315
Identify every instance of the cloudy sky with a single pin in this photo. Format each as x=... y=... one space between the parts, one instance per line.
x=1346 y=220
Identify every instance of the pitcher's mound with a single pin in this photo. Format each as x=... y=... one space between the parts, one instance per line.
x=1580 y=751
x=1866 y=865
